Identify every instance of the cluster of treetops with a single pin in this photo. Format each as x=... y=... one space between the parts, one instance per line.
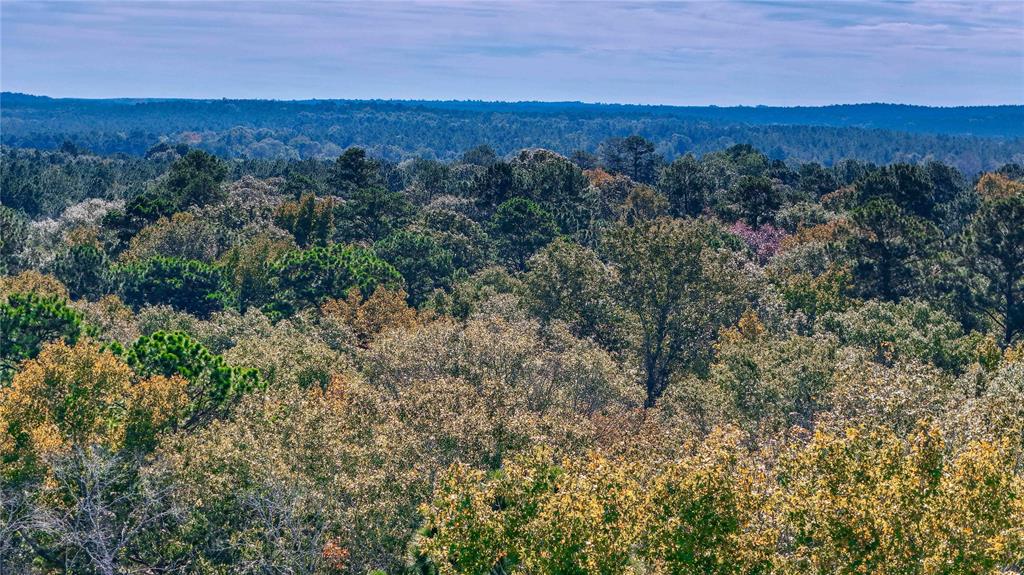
x=972 y=139
x=530 y=364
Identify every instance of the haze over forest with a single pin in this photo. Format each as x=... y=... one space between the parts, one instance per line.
x=971 y=138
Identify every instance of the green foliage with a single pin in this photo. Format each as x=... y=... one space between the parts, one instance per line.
x=907 y=186
x=78 y=398
x=137 y=213
x=816 y=181
x=424 y=263
x=905 y=331
x=626 y=392
x=891 y=250
x=755 y=199
x=993 y=248
x=195 y=180
x=459 y=234
x=353 y=171
x=482 y=155
x=83 y=269
x=814 y=296
x=771 y=383
x=213 y=385
x=27 y=321
x=297 y=185
x=248 y=267
x=681 y=280
x=568 y=282
x=188 y=285
x=686 y=186
x=871 y=501
x=557 y=185
x=309 y=221
x=13 y=240
x=370 y=214
x=471 y=295
x=633 y=156
x=520 y=227
x=394 y=130
x=591 y=514
x=305 y=278
x=495 y=186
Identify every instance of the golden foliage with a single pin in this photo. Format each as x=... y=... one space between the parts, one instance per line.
x=540 y=516
x=867 y=501
x=80 y=396
x=84 y=235
x=840 y=198
x=643 y=203
x=31 y=281
x=864 y=500
x=305 y=350
x=384 y=310
x=992 y=186
x=826 y=232
x=1014 y=353
x=749 y=327
x=703 y=513
x=896 y=397
x=598 y=177
x=285 y=471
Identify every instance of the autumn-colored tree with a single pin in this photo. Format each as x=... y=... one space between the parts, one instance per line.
x=31 y=281
x=384 y=310
x=182 y=235
x=77 y=397
x=540 y=515
x=869 y=501
x=707 y=512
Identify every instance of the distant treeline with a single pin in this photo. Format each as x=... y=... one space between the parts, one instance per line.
x=971 y=138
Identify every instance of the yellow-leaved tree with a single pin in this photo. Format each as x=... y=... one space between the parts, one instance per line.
x=869 y=501
x=80 y=396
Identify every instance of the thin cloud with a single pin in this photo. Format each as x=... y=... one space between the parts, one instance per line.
x=725 y=52
x=900 y=27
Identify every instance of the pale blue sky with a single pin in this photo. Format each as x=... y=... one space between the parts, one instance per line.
x=721 y=52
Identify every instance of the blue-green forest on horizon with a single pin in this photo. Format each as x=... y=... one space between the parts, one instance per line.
x=973 y=138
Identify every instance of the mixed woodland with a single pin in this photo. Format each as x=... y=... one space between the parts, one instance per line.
x=971 y=138
x=590 y=360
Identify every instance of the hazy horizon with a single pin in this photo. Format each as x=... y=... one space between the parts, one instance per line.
x=682 y=54
x=462 y=100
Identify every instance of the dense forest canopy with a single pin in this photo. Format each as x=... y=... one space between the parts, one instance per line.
x=973 y=139
x=615 y=360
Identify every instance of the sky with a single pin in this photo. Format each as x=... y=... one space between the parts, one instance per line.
x=724 y=53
